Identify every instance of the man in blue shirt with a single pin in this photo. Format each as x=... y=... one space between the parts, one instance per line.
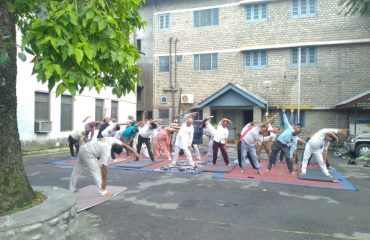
x=283 y=143
x=129 y=134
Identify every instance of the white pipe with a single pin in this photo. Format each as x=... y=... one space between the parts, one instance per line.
x=299 y=84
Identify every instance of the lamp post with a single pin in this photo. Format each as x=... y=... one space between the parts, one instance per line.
x=267 y=85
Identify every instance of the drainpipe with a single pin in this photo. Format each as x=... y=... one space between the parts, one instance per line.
x=170 y=62
x=176 y=41
x=178 y=113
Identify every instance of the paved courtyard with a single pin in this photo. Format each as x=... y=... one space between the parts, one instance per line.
x=180 y=206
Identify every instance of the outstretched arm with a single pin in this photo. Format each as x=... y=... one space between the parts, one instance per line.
x=269 y=120
x=286 y=121
x=131 y=150
x=205 y=120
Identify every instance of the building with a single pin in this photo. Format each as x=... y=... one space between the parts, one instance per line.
x=237 y=58
x=44 y=119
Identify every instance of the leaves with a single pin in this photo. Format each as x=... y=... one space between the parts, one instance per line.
x=22 y=56
x=81 y=44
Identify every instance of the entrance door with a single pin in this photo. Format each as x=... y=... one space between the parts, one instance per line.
x=231 y=114
x=248 y=116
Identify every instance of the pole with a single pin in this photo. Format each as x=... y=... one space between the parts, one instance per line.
x=299 y=85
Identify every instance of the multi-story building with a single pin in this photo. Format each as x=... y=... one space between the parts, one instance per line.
x=47 y=120
x=235 y=59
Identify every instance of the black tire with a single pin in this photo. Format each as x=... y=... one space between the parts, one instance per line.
x=361 y=148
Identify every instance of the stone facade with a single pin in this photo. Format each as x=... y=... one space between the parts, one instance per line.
x=342 y=69
x=56 y=218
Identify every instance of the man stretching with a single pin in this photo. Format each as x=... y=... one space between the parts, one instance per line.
x=102 y=149
x=319 y=143
x=184 y=139
x=145 y=133
x=283 y=143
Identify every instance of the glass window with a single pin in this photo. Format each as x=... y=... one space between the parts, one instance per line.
x=205 y=62
x=66 y=113
x=308 y=56
x=256 y=59
x=208 y=17
x=164 y=21
x=255 y=12
x=114 y=109
x=42 y=106
x=164 y=64
x=164 y=114
x=99 y=109
x=303 y=8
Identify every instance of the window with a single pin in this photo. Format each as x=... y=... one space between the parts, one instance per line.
x=303 y=8
x=256 y=59
x=164 y=21
x=308 y=56
x=138 y=44
x=255 y=12
x=42 y=106
x=164 y=64
x=179 y=58
x=205 y=62
x=208 y=17
x=114 y=109
x=66 y=113
x=139 y=93
x=99 y=109
x=293 y=119
x=164 y=114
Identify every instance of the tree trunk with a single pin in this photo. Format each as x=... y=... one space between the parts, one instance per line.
x=15 y=190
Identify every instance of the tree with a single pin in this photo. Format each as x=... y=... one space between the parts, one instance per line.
x=352 y=7
x=74 y=44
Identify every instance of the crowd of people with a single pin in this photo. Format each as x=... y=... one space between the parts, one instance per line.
x=140 y=137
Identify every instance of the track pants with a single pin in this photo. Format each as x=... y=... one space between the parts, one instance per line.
x=85 y=159
x=317 y=153
x=187 y=154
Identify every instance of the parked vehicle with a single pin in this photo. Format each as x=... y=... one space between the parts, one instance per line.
x=358 y=144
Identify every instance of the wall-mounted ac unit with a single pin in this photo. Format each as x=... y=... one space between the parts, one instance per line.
x=187 y=98
x=42 y=126
x=164 y=100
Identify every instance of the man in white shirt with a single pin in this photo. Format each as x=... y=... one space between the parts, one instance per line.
x=266 y=142
x=103 y=149
x=251 y=138
x=319 y=143
x=74 y=140
x=220 y=139
x=183 y=141
x=210 y=132
x=145 y=134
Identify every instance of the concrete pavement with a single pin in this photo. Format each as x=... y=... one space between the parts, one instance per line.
x=169 y=206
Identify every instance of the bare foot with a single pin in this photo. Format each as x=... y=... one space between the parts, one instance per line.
x=242 y=171
x=108 y=194
x=259 y=172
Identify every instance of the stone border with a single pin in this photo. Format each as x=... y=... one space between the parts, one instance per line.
x=55 y=218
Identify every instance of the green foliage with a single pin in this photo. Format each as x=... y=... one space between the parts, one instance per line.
x=78 y=44
x=352 y=7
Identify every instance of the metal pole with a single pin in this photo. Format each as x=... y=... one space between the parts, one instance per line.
x=299 y=84
x=170 y=62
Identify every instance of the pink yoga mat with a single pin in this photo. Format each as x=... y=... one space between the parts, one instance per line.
x=88 y=197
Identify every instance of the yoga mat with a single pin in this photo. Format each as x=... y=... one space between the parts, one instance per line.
x=220 y=167
x=88 y=196
x=317 y=175
x=139 y=164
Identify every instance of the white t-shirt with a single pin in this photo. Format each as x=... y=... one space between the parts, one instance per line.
x=318 y=139
x=101 y=148
x=210 y=130
x=76 y=134
x=184 y=137
x=253 y=136
x=109 y=131
x=145 y=131
x=221 y=135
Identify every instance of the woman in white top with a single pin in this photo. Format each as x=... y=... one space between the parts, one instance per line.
x=219 y=140
x=184 y=139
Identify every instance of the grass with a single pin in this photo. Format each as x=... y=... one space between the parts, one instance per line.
x=39 y=198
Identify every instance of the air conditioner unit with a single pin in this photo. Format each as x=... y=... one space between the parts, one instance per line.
x=187 y=98
x=164 y=100
x=42 y=126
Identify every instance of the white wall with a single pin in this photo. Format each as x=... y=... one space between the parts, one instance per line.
x=84 y=105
